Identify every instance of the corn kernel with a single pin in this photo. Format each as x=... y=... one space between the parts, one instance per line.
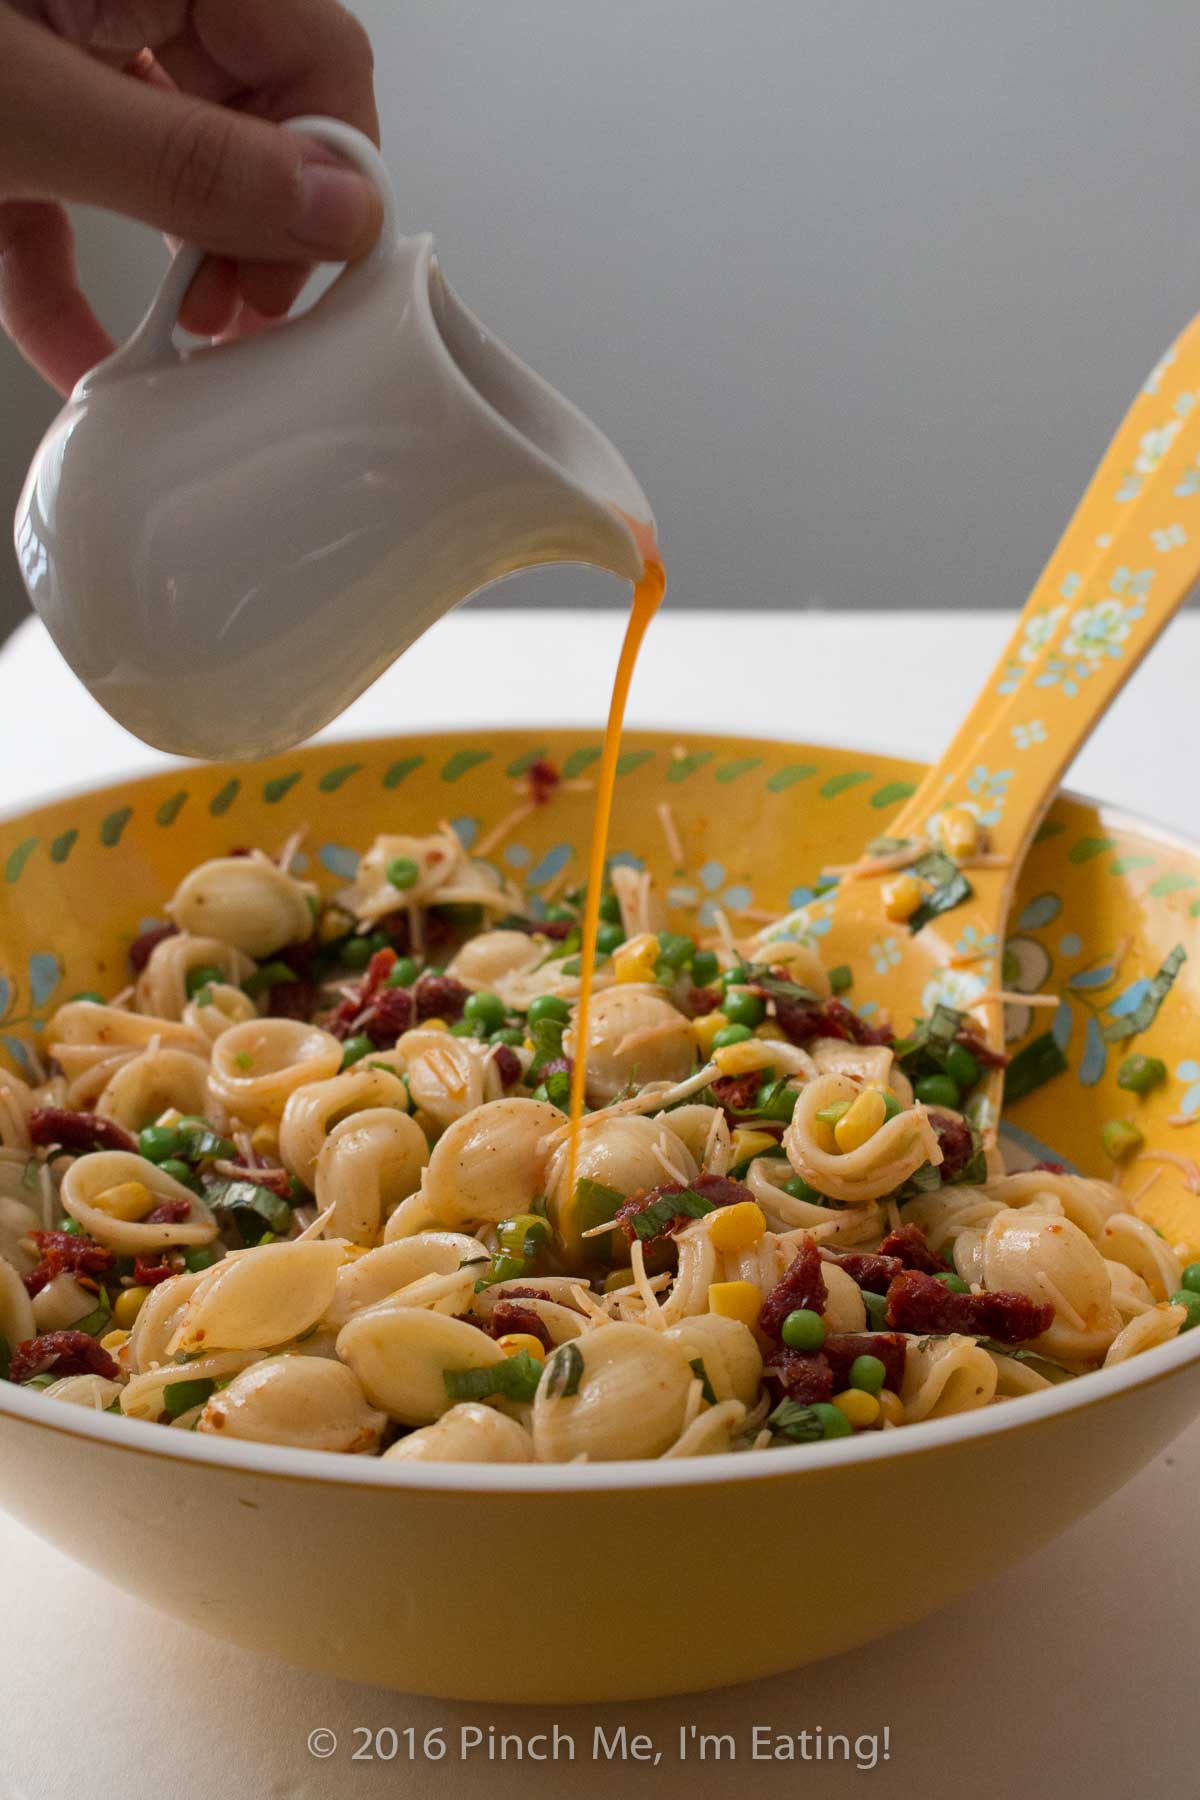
x=635 y=959
x=434 y=1025
x=265 y=1139
x=113 y=1340
x=127 y=1200
x=739 y=1300
x=172 y=1116
x=862 y=1409
x=334 y=923
x=902 y=897
x=741 y=1059
x=513 y=1342
x=771 y=1032
x=891 y=1407
x=958 y=829
x=737 y=1227
x=128 y=1304
x=747 y=1143
x=822 y=1132
x=705 y=1029
x=863 y=1120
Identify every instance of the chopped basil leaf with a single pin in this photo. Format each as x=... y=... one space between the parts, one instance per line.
x=180 y=1396
x=546 y=1035
x=516 y=1378
x=1038 y=1062
x=696 y=1365
x=254 y=1209
x=887 y=846
x=562 y=1373
x=1144 y=1013
x=950 y=887
x=799 y=1423
x=595 y=1204
x=923 y=1051
x=658 y=1215
x=95 y=1321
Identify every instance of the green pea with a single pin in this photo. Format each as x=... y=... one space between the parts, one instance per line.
x=841 y=978
x=962 y=1067
x=158 y=1142
x=508 y=1034
x=803 y=1329
x=1191 y=1277
x=1189 y=1298
x=178 y=1171
x=938 y=1090
x=610 y=908
x=72 y=1227
x=891 y=1106
x=523 y=1235
x=355 y=1048
x=776 y=1100
x=800 y=1189
x=1138 y=1074
x=743 y=1009
x=487 y=1010
x=548 y=1006
x=607 y=939
x=876 y=1305
x=402 y=872
x=356 y=952
x=834 y=1423
x=705 y=968
x=731 y=1034
x=203 y=1256
x=675 y=951
x=955 y=1283
x=561 y=912
x=92 y=995
x=867 y=1373
x=204 y=976
x=737 y=977
x=402 y=973
x=1120 y=1138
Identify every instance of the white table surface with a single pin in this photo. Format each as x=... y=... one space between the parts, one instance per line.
x=1073 y=1674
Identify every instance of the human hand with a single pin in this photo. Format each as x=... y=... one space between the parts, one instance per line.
x=166 y=110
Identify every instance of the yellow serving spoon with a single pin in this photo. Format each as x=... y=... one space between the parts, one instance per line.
x=1126 y=563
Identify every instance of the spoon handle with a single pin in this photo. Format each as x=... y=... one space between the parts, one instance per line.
x=1125 y=476
x=1039 y=709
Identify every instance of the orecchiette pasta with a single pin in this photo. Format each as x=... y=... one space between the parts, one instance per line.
x=372 y=1228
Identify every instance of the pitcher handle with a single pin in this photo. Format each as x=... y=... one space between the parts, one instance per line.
x=152 y=343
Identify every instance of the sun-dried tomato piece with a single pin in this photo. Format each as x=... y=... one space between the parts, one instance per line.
x=909 y=1245
x=505 y=1317
x=277 y=1180
x=842 y=1347
x=169 y=1212
x=701 y=1000
x=736 y=1094
x=78 y=1132
x=292 y=1000
x=984 y=1055
x=143 y=946
x=718 y=1190
x=66 y=1251
x=440 y=997
x=801 y=1375
x=957 y=1142
x=866 y=1267
x=507 y=1065
x=803 y=1020
x=801 y=1286
x=922 y=1304
x=60 y=1353
x=148 y=1271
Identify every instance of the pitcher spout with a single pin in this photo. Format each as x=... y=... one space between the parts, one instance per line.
x=589 y=506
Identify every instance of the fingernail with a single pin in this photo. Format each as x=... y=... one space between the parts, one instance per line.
x=336 y=212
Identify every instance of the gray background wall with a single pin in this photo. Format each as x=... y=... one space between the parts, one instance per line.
x=858 y=286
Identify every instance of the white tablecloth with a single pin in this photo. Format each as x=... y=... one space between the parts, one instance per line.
x=1072 y=1674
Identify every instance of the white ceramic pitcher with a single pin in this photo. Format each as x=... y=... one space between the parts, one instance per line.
x=229 y=544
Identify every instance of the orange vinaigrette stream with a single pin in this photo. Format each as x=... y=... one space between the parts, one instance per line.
x=647 y=595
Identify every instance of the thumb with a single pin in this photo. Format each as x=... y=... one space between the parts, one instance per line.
x=240 y=186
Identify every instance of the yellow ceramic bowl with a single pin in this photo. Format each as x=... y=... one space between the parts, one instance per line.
x=644 y=1578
